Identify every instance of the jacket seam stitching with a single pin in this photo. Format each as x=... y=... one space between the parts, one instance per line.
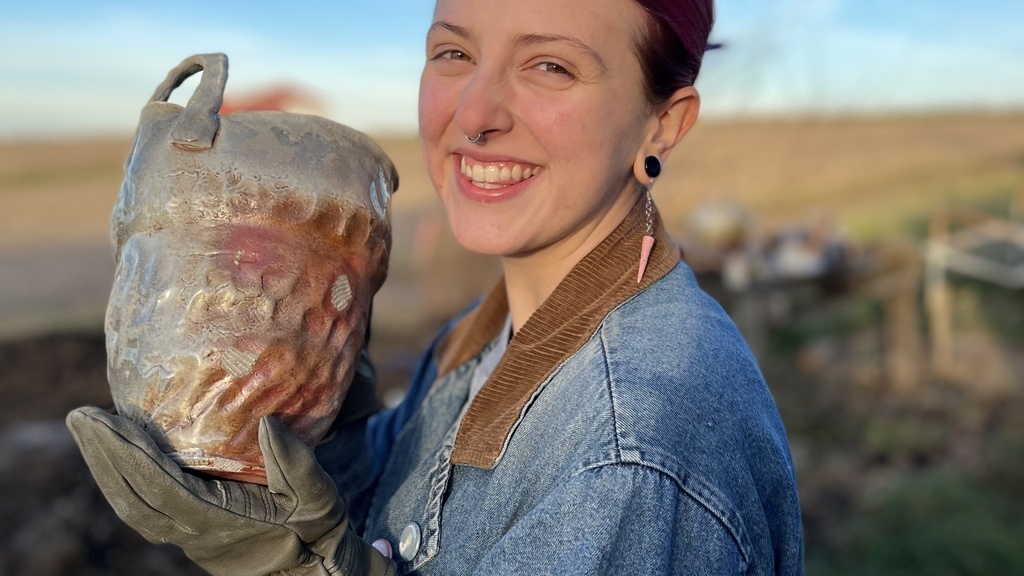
x=611 y=392
x=690 y=493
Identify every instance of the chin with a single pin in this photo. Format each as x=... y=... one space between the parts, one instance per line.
x=477 y=228
x=480 y=241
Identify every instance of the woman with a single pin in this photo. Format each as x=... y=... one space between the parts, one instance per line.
x=623 y=429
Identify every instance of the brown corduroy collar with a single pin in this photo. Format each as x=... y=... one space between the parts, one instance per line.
x=602 y=280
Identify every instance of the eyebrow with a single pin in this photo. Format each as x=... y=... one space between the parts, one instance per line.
x=528 y=40
x=453 y=28
x=534 y=39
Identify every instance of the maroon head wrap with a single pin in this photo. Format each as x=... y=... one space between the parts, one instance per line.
x=679 y=37
x=691 y=20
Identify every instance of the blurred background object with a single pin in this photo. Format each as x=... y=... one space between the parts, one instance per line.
x=280 y=98
x=853 y=196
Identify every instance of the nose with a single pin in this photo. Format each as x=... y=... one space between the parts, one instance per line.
x=483 y=106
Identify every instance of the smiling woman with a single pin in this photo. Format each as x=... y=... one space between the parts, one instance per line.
x=597 y=413
x=536 y=91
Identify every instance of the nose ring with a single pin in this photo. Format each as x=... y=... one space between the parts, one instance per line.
x=474 y=140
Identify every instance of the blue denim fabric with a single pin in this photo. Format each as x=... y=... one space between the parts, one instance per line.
x=655 y=449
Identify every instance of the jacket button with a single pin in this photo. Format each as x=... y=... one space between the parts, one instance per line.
x=409 y=543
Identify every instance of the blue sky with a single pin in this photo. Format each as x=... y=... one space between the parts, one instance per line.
x=87 y=68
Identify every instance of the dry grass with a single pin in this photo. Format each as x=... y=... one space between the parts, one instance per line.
x=54 y=193
x=860 y=170
x=872 y=176
x=867 y=173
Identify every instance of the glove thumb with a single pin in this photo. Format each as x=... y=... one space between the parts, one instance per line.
x=294 y=474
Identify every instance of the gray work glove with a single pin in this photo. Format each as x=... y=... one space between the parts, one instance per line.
x=296 y=525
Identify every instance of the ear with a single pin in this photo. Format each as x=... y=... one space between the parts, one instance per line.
x=667 y=125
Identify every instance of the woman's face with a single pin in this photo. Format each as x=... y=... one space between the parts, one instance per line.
x=556 y=90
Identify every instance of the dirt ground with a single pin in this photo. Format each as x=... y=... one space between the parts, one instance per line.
x=876 y=178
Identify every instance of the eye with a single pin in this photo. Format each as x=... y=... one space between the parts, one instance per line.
x=554 y=68
x=446 y=60
x=452 y=54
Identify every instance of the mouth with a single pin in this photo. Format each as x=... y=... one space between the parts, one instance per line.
x=495 y=175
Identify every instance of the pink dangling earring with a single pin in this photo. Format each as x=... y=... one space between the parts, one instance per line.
x=652 y=166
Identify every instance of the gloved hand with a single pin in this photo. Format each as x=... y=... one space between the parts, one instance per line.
x=295 y=525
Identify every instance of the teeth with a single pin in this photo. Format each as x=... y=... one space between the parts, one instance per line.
x=495 y=175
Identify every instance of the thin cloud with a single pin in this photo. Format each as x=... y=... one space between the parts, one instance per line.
x=93 y=70
x=72 y=80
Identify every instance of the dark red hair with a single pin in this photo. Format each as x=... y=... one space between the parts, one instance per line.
x=672 y=48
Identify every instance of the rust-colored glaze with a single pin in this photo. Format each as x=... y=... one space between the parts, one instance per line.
x=306 y=350
x=229 y=246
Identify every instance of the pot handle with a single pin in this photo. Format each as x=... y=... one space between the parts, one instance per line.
x=198 y=123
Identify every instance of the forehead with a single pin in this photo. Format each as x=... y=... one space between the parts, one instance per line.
x=605 y=25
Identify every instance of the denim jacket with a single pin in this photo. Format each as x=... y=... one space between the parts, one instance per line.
x=639 y=440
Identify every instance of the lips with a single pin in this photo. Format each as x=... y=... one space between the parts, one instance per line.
x=494 y=175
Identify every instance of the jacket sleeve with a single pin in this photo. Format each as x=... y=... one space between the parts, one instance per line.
x=616 y=519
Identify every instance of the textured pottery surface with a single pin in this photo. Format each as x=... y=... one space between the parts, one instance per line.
x=248 y=247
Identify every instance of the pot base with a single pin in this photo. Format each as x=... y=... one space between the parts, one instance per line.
x=220 y=467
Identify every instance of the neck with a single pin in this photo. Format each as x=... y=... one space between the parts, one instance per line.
x=600 y=281
x=531 y=278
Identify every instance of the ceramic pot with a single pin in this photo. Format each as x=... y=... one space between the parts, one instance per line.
x=249 y=247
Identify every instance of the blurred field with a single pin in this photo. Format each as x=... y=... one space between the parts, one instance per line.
x=54 y=192
x=898 y=474
x=876 y=178
x=873 y=176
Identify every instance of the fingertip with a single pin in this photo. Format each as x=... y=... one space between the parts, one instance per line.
x=270 y=433
x=79 y=421
x=73 y=418
x=78 y=414
x=271 y=424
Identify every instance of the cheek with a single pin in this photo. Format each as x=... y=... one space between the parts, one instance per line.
x=436 y=108
x=552 y=120
x=575 y=135
x=602 y=136
x=583 y=129
x=436 y=112
x=562 y=129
